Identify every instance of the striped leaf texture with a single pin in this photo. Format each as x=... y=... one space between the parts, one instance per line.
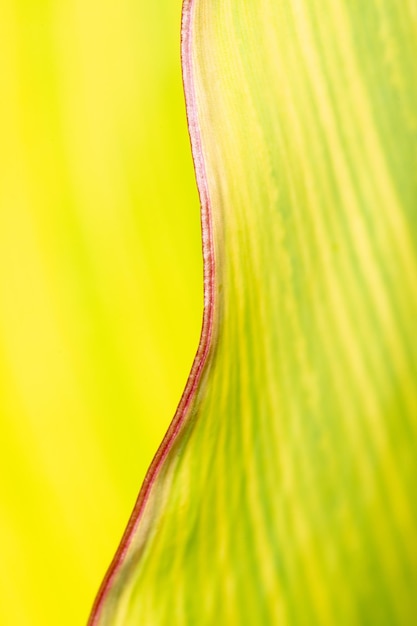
x=285 y=490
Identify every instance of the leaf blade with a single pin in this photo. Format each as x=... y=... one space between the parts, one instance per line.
x=307 y=397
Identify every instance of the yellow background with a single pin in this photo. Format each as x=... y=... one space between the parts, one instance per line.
x=100 y=285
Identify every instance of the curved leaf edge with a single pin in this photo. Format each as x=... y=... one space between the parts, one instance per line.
x=206 y=336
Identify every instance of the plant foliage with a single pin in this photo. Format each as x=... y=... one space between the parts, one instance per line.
x=284 y=492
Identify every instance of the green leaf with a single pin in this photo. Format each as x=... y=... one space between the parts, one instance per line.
x=284 y=491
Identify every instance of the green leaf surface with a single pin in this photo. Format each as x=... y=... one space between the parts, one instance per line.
x=285 y=490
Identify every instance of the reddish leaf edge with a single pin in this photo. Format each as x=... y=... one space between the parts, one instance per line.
x=206 y=335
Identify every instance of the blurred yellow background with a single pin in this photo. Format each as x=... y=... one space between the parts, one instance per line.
x=100 y=285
